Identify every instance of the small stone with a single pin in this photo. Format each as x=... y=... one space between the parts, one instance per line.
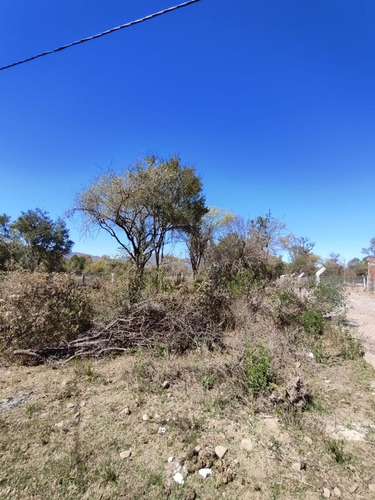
x=327 y=381
x=298 y=364
x=145 y=417
x=297 y=466
x=371 y=487
x=247 y=445
x=205 y=472
x=337 y=492
x=125 y=454
x=165 y=384
x=60 y=425
x=170 y=459
x=70 y=405
x=125 y=411
x=82 y=404
x=178 y=478
x=326 y=493
x=196 y=450
x=220 y=451
x=76 y=415
x=354 y=488
x=308 y=440
x=162 y=430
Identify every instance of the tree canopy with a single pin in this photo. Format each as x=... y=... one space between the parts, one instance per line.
x=42 y=240
x=143 y=205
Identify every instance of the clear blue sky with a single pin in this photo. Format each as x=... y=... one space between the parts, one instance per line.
x=273 y=102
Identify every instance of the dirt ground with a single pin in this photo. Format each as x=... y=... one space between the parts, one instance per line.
x=361 y=316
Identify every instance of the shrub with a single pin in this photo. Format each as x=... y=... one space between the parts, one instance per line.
x=312 y=321
x=41 y=310
x=329 y=296
x=286 y=307
x=257 y=369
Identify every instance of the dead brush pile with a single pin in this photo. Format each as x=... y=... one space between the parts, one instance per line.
x=174 y=321
x=41 y=309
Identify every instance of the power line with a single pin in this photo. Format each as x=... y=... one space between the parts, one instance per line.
x=99 y=35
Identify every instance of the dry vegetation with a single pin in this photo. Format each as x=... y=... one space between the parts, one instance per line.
x=256 y=361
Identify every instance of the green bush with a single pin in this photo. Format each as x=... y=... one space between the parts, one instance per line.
x=312 y=321
x=257 y=369
x=40 y=310
x=329 y=296
x=287 y=307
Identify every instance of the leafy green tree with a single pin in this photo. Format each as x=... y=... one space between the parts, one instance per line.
x=77 y=263
x=143 y=206
x=44 y=241
x=333 y=265
x=358 y=267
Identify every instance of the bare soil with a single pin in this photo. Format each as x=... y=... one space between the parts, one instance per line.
x=67 y=436
x=361 y=317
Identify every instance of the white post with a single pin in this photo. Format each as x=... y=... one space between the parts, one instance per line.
x=318 y=274
x=112 y=277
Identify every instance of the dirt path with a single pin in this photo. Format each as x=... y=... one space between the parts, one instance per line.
x=361 y=316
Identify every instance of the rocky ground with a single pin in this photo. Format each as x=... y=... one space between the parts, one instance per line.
x=148 y=426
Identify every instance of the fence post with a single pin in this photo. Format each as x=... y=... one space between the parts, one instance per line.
x=112 y=277
x=83 y=279
x=318 y=274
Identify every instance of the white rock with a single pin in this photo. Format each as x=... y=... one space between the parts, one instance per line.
x=297 y=466
x=371 y=487
x=205 y=472
x=311 y=355
x=308 y=440
x=125 y=454
x=337 y=492
x=220 y=451
x=165 y=384
x=170 y=459
x=178 y=478
x=70 y=405
x=145 y=417
x=162 y=430
x=60 y=425
x=125 y=411
x=326 y=493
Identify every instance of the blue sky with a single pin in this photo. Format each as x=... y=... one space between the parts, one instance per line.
x=273 y=102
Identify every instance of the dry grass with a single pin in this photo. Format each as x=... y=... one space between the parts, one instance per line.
x=65 y=440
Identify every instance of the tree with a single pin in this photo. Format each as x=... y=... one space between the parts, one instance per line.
x=5 y=241
x=302 y=259
x=44 y=241
x=358 y=267
x=144 y=205
x=209 y=229
x=370 y=251
x=333 y=265
x=77 y=263
x=266 y=233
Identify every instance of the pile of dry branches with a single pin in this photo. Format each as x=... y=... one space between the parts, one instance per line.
x=172 y=322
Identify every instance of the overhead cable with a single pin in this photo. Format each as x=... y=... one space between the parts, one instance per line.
x=104 y=33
